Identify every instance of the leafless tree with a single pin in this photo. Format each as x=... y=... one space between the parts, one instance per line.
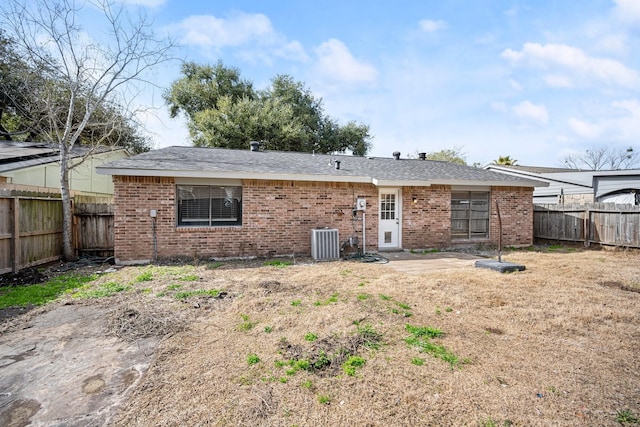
x=91 y=75
x=603 y=158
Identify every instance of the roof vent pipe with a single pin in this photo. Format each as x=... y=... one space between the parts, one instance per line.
x=255 y=146
x=337 y=163
x=396 y=155
x=422 y=156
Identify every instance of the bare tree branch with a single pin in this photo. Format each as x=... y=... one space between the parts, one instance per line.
x=89 y=75
x=604 y=157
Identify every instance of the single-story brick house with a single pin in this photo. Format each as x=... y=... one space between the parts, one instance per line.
x=222 y=203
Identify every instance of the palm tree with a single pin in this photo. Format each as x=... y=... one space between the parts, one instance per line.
x=505 y=161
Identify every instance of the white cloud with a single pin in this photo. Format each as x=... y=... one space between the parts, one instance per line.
x=239 y=29
x=515 y=85
x=532 y=113
x=615 y=123
x=570 y=66
x=431 y=26
x=557 y=80
x=336 y=63
x=251 y=35
x=632 y=106
x=585 y=129
x=627 y=10
x=612 y=43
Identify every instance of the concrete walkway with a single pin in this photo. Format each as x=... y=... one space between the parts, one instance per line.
x=418 y=263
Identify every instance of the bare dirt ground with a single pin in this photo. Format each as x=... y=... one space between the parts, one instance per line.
x=556 y=344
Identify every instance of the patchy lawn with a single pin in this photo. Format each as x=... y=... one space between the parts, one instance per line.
x=348 y=343
x=359 y=344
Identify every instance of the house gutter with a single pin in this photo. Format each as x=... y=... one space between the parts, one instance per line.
x=231 y=175
x=315 y=178
x=454 y=182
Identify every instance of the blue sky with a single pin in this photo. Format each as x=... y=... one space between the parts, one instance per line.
x=535 y=80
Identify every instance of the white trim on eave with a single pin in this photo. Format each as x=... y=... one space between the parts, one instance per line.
x=230 y=175
x=454 y=182
x=316 y=178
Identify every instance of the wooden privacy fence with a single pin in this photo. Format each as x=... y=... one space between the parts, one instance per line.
x=600 y=223
x=93 y=228
x=31 y=231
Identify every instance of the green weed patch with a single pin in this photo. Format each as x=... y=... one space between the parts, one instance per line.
x=421 y=339
x=22 y=296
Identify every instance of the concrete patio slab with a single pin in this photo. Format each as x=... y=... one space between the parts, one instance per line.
x=419 y=263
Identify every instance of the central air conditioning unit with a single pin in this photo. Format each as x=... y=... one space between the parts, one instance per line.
x=325 y=244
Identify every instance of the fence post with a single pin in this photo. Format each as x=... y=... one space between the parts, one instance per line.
x=15 y=248
x=587 y=227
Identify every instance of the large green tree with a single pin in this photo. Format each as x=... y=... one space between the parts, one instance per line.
x=224 y=110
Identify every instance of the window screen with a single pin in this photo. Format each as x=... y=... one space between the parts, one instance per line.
x=207 y=205
x=469 y=215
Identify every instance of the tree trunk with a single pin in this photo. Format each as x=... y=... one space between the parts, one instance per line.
x=68 y=252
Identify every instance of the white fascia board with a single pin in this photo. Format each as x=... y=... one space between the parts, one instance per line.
x=399 y=183
x=230 y=175
x=453 y=182
x=531 y=183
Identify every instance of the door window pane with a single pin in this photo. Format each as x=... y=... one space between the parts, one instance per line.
x=388 y=206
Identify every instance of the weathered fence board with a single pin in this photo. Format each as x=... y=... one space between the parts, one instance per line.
x=600 y=223
x=94 y=228
x=31 y=231
x=6 y=235
x=40 y=231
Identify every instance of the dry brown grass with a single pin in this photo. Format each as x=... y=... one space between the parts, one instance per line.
x=557 y=344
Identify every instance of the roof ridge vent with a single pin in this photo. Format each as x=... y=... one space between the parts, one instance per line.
x=396 y=155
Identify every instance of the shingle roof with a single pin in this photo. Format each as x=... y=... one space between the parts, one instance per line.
x=226 y=163
x=20 y=155
x=537 y=169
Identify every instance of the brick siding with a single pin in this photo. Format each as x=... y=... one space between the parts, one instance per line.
x=277 y=218
x=427 y=222
x=516 y=212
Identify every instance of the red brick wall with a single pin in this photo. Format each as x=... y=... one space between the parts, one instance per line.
x=516 y=211
x=278 y=217
x=427 y=222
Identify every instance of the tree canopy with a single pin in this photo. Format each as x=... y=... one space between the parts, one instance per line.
x=72 y=90
x=224 y=110
x=505 y=161
x=453 y=155
x=603 y=158
x=34 y=99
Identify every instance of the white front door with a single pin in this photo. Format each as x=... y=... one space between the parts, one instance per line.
x=389 y=222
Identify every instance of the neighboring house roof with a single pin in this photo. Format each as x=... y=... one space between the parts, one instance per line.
x=20 y=155
x=533 y=169
x=575 y=181
x=193 y=162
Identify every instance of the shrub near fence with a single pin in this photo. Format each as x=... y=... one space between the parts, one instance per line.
x=31 y=231
x=600 y=223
